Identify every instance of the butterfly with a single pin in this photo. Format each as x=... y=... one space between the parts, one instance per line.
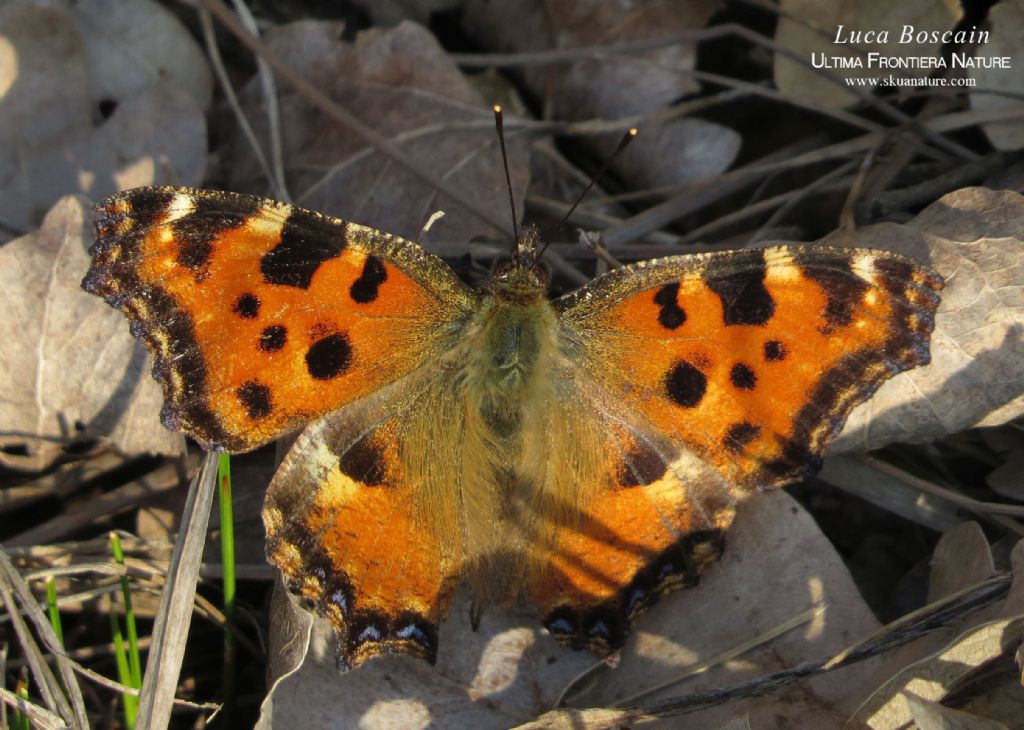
x=583 y=454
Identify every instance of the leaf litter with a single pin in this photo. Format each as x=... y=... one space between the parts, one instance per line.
x=716 y=651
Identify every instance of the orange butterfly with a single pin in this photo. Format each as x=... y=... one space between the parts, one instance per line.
x=585 y=454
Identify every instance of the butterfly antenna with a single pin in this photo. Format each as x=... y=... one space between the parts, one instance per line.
x=498 y=119
x=623 y=143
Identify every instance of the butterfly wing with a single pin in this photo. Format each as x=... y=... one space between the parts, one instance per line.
x=349 y=526
x=715 y=375
x=754 y=359
x=262 y=316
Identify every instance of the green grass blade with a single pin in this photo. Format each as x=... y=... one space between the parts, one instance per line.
x=20 y=721
x=227 y=546
x=134 y=659
x=121 y=655
x=51 y=605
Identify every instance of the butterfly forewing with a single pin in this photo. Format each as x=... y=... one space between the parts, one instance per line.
x=262 y=316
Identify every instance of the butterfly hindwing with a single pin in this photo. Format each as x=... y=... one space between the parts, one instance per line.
x=262 y=316
x=343 y=526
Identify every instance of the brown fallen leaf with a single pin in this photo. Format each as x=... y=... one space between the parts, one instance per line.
x=1006 y=41
x=889 y=707
x=605 y=85
x=51 y=143
x=131 y=45
x=1007 y=479
x=930 y=715
x=820 y=32
x=932 y=665
x=401 y=82
x=961 y=559
x=68 y=359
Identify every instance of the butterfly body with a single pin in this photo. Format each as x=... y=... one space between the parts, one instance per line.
x=583 y=454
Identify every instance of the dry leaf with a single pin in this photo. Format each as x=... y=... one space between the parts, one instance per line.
x=974 y=237
x=824 y=23
x=132 y=45
x=930 y=715
x=1007 y=479
x=509 y=671
x=933 y=677
x=961 y=559
x=609 y=86
x=53 y=328
x=1006 y=40
x=50 y=143
x=402 y=83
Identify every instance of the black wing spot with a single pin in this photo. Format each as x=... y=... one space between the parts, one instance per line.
x=363 y=461
x=738 y=280
x=307 y=241
x=739 y=435
x=247 y=306
x=273 y=338
x=366 y=288
x=641 y=465
x=671 y=315
x=742 y=376
x=329 y=357
x=685 y=384
x=774 y=351
x=255 y=399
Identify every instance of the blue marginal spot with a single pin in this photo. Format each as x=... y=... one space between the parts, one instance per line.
x=599 y=628
x=636 y=597
x=561 y=626
x=370 y=633
x=414 y=632
x=339 y=600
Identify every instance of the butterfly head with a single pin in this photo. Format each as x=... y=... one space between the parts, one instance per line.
x=521 y=279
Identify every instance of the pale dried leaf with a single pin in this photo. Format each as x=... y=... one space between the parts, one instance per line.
x=509 y=671
x=974 y=237
x=932 y=677
x=52 y=328
x=961 y=559
x=50 y=143
x=824 y=38
x=1007 y=479
x=402 y=83
x=131 y=45
x=930 y=715
x=1006 y=40
x=44 y=84
x=606 y=85
x=1002 y=699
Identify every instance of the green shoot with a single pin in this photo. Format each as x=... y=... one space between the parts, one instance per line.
x=20 y=721
x=51 y=604
x=129 y=664
x=227 y=546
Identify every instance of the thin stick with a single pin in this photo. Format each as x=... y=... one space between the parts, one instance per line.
x=170 y=629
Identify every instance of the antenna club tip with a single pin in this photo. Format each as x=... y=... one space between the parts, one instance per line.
x=497 y=108
x=632 y=132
